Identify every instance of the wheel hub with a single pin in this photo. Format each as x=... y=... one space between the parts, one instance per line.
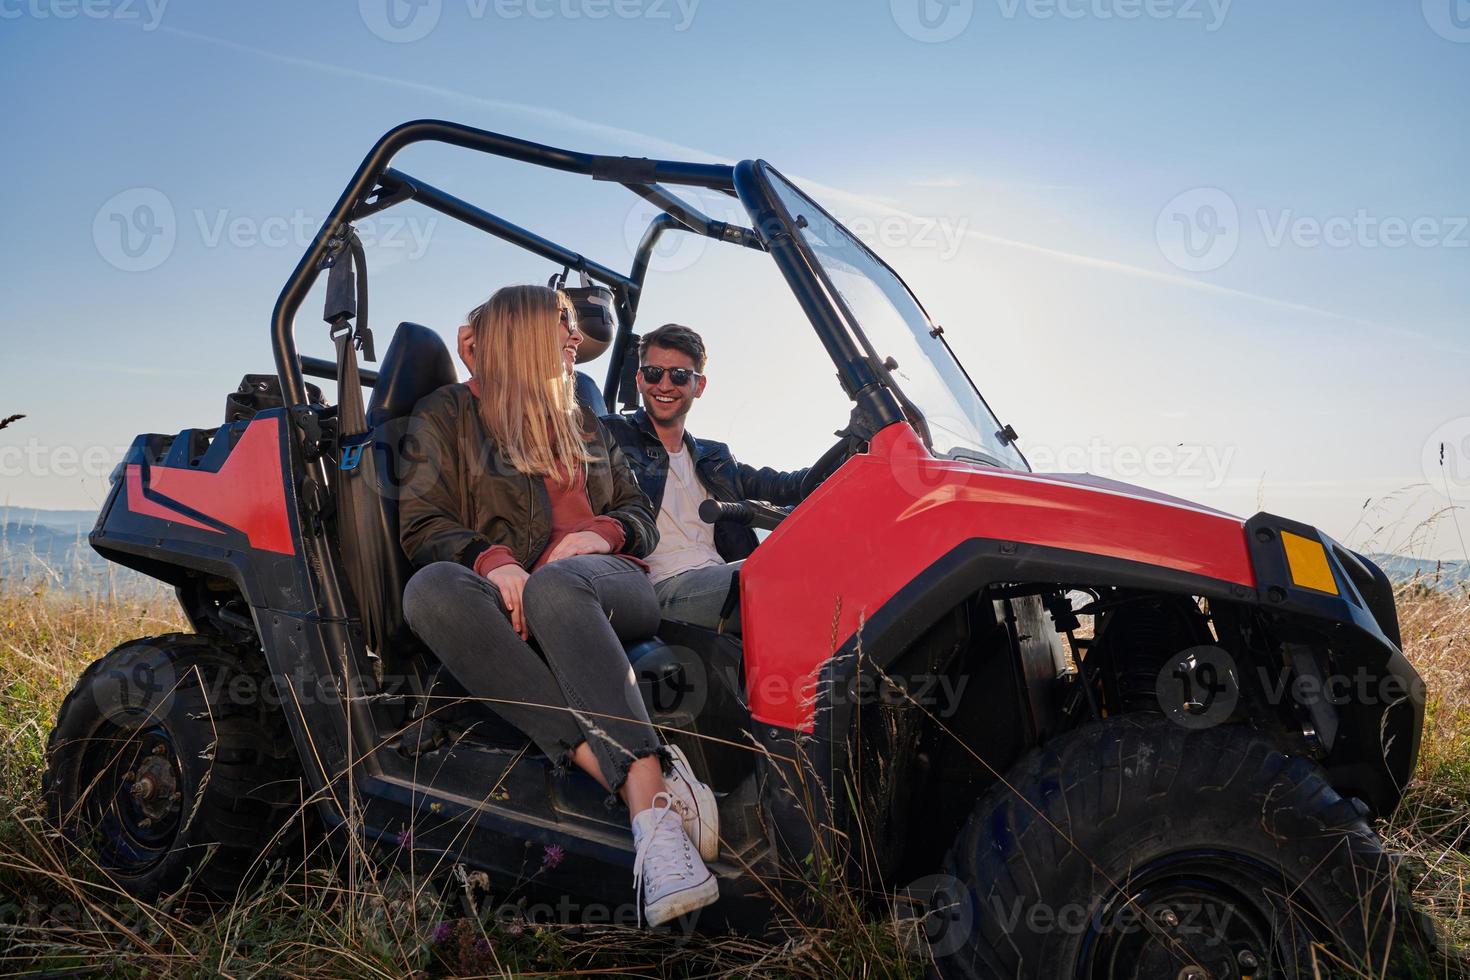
x=134 y=804
x=1192 y=920
x=155 y=788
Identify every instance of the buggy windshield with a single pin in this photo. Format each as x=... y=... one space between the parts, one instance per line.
x=890 y=323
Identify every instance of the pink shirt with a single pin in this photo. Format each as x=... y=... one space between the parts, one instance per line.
x=571 y=512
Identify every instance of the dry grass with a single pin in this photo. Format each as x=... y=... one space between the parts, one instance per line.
x=62 y=919
x=57 y=918
x=1432 y=827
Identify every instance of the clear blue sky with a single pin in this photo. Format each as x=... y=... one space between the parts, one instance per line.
x=1215 y=248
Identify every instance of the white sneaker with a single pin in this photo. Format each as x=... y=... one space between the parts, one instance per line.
x=695 y=803
x=668 y=874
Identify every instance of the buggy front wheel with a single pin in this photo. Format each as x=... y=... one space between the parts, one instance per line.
x=169 y=764
x=1136 y=848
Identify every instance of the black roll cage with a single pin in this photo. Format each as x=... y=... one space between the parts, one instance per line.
x=376 y=186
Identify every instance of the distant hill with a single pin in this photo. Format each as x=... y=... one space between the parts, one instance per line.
x=49 y=548
x=1437 y=574
x=61 y=520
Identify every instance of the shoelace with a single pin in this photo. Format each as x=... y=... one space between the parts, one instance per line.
x=659 y=863
x=687 y=809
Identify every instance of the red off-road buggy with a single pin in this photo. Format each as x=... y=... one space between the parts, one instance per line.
x=1096 y=731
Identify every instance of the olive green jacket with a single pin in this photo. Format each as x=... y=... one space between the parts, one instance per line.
x=458 y=495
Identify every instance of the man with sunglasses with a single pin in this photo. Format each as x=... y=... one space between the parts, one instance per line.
x=694 y=565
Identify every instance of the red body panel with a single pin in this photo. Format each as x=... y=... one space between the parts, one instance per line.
x=884 y=517
x=139 y=504
x=247 y=493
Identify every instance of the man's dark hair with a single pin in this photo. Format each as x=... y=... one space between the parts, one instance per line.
x=674 y=337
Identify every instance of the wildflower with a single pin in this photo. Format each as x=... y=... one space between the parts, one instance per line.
x=442 y=932
x=405 y=838
x=552 y=856
x=482 y=945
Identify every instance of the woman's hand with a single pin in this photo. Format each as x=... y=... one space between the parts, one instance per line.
x=465 y=341
x=511 y=581
x=580 y=543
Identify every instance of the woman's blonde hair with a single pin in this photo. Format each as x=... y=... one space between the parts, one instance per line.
x=527 y=397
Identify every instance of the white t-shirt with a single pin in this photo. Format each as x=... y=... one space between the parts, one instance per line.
x=684 y=541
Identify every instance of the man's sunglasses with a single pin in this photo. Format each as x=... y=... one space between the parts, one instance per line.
x=653 y=374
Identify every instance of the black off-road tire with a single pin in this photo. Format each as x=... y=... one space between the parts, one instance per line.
x=1134 y=847
x=170 y=763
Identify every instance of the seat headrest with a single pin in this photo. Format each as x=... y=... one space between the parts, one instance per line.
x=417 y=363
x=597 y=318
x=589 y=396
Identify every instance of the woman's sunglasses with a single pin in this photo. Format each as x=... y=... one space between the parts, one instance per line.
x=653 y=374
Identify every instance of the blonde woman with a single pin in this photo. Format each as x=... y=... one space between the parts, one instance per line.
x=528 y=524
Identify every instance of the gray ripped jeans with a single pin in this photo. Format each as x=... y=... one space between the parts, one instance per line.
x=580 y=686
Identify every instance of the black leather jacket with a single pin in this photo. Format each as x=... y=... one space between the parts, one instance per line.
x=461 y=496
x=716 y=469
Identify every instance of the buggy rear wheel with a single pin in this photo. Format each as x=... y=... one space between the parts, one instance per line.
x=1135 y=848
x=168 y=764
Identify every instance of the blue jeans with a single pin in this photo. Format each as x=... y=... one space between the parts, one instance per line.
x=580 y=686
x=698 y=595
